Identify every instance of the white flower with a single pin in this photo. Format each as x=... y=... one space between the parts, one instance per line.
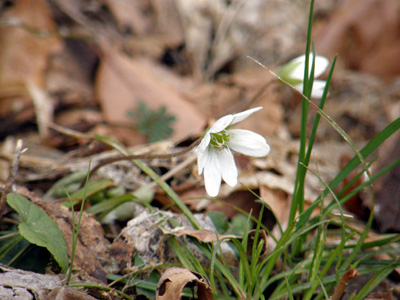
x=293 y=73
x=214 y=154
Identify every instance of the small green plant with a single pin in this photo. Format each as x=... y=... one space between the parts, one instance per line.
x=156 y=125
x=38 y=228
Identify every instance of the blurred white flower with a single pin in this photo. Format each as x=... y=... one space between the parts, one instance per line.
x=293 y=73
x=214 y=154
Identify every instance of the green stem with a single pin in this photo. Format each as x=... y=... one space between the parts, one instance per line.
x=167 y=189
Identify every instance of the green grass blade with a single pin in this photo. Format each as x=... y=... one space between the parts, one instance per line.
x=146 y=169
x=375 y=281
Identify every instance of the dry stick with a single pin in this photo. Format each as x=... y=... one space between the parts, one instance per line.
x=79 y=135
x=70 y=132
x=13 y=174
x=258 y=94
x=344 y=281
x=141 y=156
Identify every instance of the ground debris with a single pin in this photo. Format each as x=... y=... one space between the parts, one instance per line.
x=147 y=233
x=25 y=285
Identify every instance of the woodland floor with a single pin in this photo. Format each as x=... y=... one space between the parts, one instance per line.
x=88 y=66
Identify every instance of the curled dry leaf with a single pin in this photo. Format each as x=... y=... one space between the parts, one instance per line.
x=173 y=280
x=67 y=293
x=143 y=237
x=92 y=246
x=206 y=236
x=13 y=282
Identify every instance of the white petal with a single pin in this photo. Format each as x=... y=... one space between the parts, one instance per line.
x=228 y=167
x=212 y=174
x=201 y=161
x=301 y=58
x=299 y=87
x=244 y=114
x=205 y=141
x=317 y=91
x=202 y=153
x=221 y=124
x=298 y=71
x=318 y=88
x=321 y=63
x=248 y=143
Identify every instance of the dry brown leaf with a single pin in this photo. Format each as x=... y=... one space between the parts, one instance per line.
x=173 y=280
x=364 y=33
x=143 y=237
x=122 y=83
x=132 y=15
x=279 y=202
x=206 y=236
x=24 y=283
x=148 y=18
x=386 y=295
x=386 y=188
x=92 y=246
x=24 y=55
x=90 y=253
x=354 y=98
x=220 y=33
x=65 y=293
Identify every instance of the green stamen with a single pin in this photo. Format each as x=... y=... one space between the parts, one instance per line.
x=219 y=140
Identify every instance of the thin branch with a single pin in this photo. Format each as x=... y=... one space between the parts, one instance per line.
x=13 y=174
x=344 y=281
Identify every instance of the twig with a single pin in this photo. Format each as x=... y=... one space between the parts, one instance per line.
x=79 y=135
x=344 y=281
x=258 y=94
x=142 y=156
x=13 y=174
x=177 y=169
x=69 y=132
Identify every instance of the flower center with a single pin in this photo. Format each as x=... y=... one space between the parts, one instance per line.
x=219 y=140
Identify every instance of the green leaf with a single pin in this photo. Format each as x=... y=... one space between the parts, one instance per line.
x=286 y=70
x=39 y=229
x=92 y=188
x=156 y=125
x=219 y=220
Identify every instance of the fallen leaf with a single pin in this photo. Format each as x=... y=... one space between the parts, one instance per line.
x=386 y=295
x=92 y=246
x=122 y=83
x=143 y=237
x=364 y=34
x=32 y=283
x=24 y=55
x=173 y=280
x=39 y=229
x=65 y=293
x=206 y=236
x=386 y=188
